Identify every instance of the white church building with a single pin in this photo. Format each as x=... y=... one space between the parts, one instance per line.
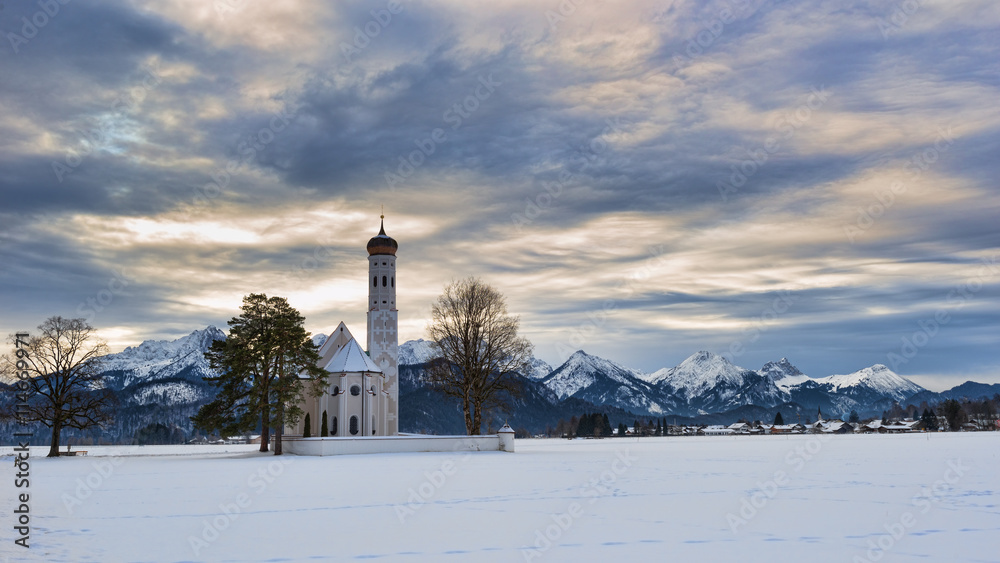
x=362 y=398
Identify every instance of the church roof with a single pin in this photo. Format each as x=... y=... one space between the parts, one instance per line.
x=382 y=243
x=351 y=358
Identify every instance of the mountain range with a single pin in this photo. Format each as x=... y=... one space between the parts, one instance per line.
x=162 y=381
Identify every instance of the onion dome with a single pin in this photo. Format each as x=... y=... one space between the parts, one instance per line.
x=382 y=243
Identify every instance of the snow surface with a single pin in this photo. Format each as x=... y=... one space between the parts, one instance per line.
x=824 y=498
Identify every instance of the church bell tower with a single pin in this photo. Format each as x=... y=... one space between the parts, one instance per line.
x=383 y=320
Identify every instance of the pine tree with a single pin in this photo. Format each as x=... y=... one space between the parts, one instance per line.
x=778 y=420
x=607 y=430
x=307 y=433
x=659 y=428
x=929 y=420
x=323 y=430
x=622 y=430
x=953 y=414
x=854 y=418
x=259 y=365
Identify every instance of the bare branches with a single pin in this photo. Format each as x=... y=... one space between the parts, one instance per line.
x=480 y=350
x=65 y=389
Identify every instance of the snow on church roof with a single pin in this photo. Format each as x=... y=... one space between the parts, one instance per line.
x=351 y=358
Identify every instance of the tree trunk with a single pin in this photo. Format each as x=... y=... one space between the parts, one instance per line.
x=54 y=446
x=265 y=429
x=278 y=429
x=468 y=418
x=477 y=420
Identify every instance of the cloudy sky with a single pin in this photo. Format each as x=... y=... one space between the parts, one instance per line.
x=643 y=180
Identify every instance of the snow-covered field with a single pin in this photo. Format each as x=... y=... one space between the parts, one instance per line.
x=804 y=498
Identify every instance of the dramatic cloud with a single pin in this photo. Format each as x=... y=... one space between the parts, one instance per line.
x=757 y=178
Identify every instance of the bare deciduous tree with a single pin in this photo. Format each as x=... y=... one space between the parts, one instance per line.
x=479 y=350
x=65 y=387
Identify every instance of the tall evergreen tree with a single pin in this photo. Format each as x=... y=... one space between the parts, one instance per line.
x=307 y=433
x=929 y=420
x=952 y=411
x=323 y=430
x=259 y=365
x=854 y=418
x=607 y=431
x=778 y=419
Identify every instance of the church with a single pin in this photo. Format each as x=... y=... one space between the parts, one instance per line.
x=362 y=396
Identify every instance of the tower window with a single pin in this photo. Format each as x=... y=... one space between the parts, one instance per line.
x=354 y=425
x=393 y=281
x=375 y=281
x=336 y=390
x=385 y=281
x=355 y=390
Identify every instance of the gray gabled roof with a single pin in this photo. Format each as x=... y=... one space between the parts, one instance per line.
x=351 y=358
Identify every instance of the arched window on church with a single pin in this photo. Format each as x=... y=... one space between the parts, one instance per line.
x=385 y=281
x=354 y=425
x=333 y=427
x=336 y=390
x=373 y=426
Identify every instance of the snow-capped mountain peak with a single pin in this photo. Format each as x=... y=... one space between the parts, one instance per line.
x=319 y=339
x=581 y=370
x=877 y=378
x=153 y=354
x=415 y=352
x=780 y=370
x=602 y=382
x=164 y=372
x=699 y=372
